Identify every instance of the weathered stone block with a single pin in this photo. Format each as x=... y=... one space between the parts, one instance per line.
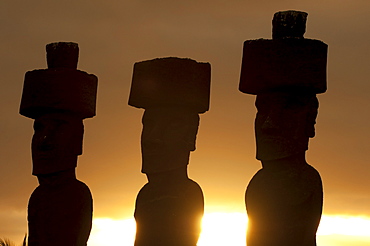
x=270 y=65
x=62 y=54
x=171 y=82
x=51 y=90
x=61 y=87
x=289 y=24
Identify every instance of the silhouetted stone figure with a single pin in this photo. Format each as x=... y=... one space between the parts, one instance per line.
x=58 y=99
x=169 y=208
x=284 y=199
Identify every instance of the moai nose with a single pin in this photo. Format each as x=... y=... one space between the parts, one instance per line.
x=46 y=144
x=269 y=125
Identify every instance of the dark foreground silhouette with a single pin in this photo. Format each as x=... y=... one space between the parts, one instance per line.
x=58 y=99
x=169 y=208
x=284 y=199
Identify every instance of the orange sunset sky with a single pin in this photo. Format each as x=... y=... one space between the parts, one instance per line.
x=113 y=35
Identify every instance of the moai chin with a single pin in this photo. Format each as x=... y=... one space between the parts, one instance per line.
x=58 y=99
x=284 y=199
x=173 y=91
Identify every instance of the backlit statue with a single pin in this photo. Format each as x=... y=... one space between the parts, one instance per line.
x=173 y=91
x=284 y=199
x=58 y=99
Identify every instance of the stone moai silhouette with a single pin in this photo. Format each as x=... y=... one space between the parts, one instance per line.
x=173 y=91
x=284 y=198
x=58 y=99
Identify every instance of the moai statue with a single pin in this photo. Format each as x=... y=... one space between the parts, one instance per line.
x=173 y=91
x=58 y=99
x=284 y=198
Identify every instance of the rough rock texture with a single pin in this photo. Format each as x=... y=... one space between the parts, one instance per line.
x=269 y=65
x=60 y=214
x=58 y=98
x=169 y=215
x=173 y=91
x=61 y=87
x=62 y=54
x=284 y=206
x=284 y=199
x=289 y=24
x=171 y=81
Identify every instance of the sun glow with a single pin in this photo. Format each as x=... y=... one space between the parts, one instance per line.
x=106 y=231
x=344 y=225
x=341 y=230
x=220 y=229
x=230 y=229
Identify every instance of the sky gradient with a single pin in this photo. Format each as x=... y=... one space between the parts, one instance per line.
x=113 y=35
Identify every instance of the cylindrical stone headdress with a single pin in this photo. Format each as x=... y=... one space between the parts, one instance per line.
x=61 y=87
x=171 y=82
x=287 y=62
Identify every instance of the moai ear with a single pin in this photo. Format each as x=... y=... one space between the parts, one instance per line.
x=79 y=138
x=313 y=106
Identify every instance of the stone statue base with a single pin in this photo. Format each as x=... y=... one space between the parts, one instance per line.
x=284 y=205
x=60 y=212
x=169 y=213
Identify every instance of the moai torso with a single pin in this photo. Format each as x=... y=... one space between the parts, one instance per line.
x=58 y=99
x=60 y=213
x=284 y=198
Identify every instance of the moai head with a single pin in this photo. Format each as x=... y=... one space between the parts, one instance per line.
x=173 y=92
x=168 y=136
x=284 y=123
x=58 y=99
x=285 y=73
x=56 y=142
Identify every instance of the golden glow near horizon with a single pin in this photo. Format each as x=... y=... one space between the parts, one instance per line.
x=219 y=229
x=106 y=231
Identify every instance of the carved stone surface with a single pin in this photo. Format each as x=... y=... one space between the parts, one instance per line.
x=284 y=205
x=169 y=211
x=59 y=90
x=289 y=24
x=286 y=62
x=61 y=87
x=168 y=136
x=56 y=143
x=284 y=123
x=62 y=55
x=269 y=65
x=59 y=98
x=284 y=199
x=60 y=211
x=169 y=208
x=171 y=81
